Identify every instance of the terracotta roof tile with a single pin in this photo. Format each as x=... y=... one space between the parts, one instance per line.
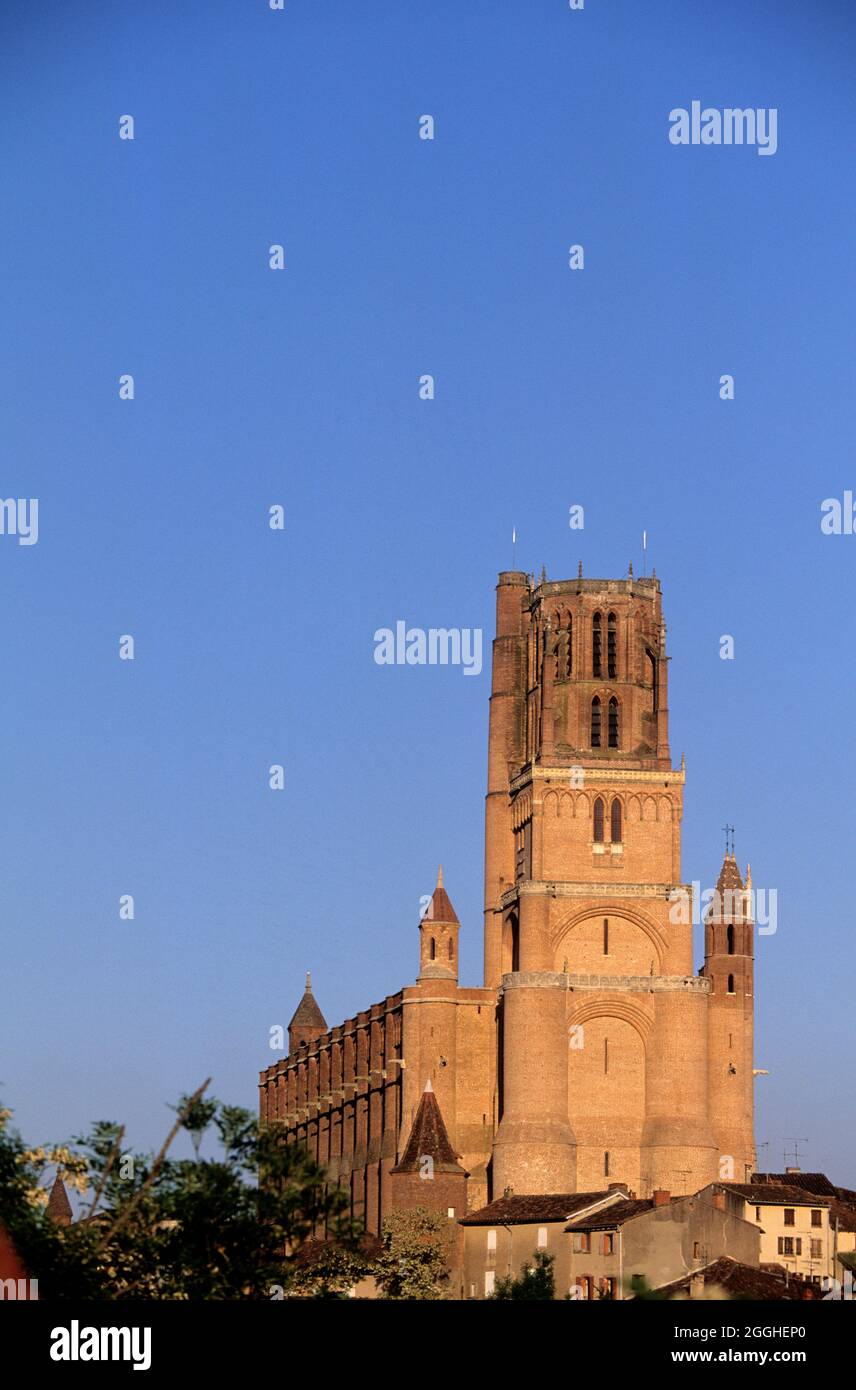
x=523 y=1210
x=776 y=1194
x=614 y=1215
x=742 y=1281
x=811 y=1182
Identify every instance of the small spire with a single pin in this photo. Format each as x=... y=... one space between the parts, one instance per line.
x=440 y=877
x=580 y=570
x=308 y=982
x=683 y=762
x=428 y=1086
x=59 y=1207
x=748 y=875
x=630 y=570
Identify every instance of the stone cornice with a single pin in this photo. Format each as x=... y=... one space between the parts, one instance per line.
x=627 y=984
x=579 y=889
x=604 y=771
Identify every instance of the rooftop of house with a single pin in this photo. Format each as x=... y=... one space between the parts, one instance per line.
x=741 y=1281
x=818 y=1183
x=529 y=1210
x=770 y=1194
x=616 y=1214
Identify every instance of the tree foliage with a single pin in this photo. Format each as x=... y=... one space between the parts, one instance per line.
x=535 y=1282
x=170 y=1228
x=414 y=1256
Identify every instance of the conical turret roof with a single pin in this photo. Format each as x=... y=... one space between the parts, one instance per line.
x=307 y=1014
x=440 y=908
x=428 y=1139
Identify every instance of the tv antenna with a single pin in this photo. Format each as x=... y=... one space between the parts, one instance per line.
x=790 y=1138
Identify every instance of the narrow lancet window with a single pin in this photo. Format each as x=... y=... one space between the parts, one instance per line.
x=596 y=646
x=613 y=723
x=611 y=647
x=595 y=722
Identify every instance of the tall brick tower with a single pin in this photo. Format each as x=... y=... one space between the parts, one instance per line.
x=729 y=965
x=603 y=1070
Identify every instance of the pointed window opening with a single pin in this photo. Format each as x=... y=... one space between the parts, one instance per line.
x=570 y=658
x=433 y=949
x=598 y=822
x=731 y=984
x=451 y=949
x=613 y=723
x=615 y=821
x=730 y=938
x=595 y=722
x=652 y=671
x=606 y=936
x=596 y=646
x=612 y=647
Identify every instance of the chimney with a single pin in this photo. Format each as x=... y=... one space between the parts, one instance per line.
x=661 y=1197
x=697 y=1286
x=793 y=1170
x=719 y=1201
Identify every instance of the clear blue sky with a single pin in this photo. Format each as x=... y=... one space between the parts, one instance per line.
x=255 y=387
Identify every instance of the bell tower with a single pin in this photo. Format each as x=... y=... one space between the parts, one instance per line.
x=604 y=1064
x=729 y=965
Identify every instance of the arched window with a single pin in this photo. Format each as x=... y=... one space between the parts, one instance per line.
x=596 y=646
x=730 y=937
x=598 y=822
x=451 y=949
x=611 y=647
x=731 y=984
x=652 y=672
x=595 y=722
x=615 y=821
x=433 y=949
x=613 y=723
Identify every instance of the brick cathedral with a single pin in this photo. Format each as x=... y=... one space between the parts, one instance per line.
x=592 y=1054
